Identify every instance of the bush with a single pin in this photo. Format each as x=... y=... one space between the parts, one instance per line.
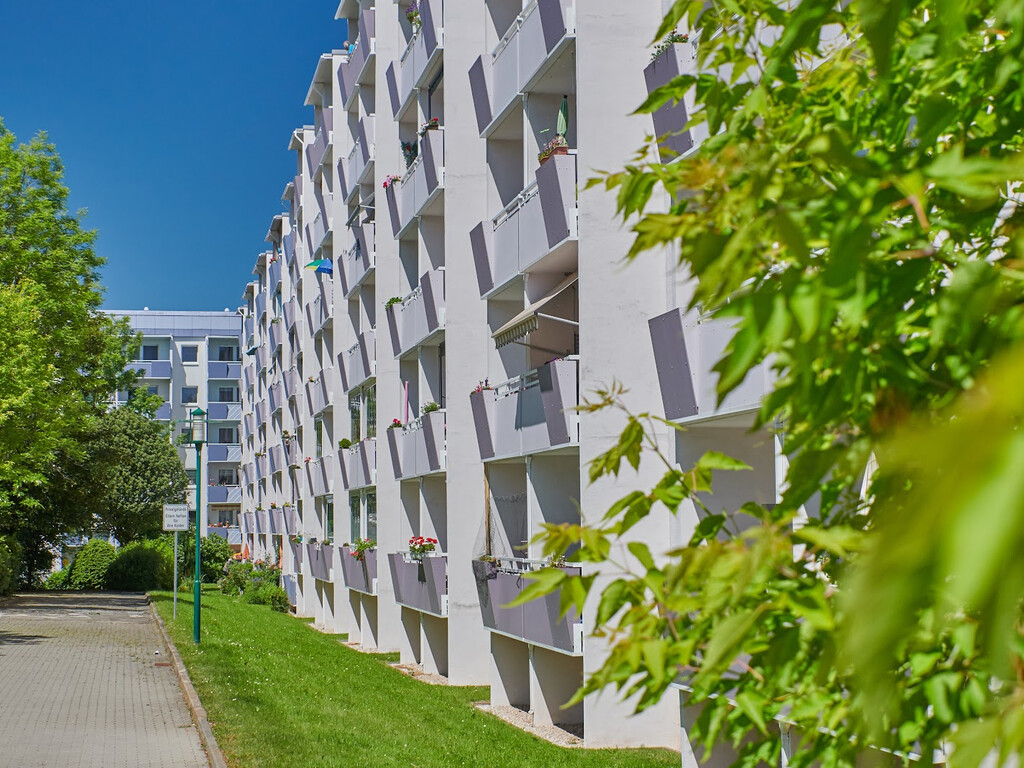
x=58 y=579
x=214 y=551
x=140 y=566
x=89 y=571
x=237 y=578
x=10 y=563
x=268 y=594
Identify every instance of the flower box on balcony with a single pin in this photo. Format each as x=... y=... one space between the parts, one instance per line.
x=360 y=574
x=420 y=582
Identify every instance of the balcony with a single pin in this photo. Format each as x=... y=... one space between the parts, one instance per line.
x=537 y=622
x=224 y=452
x=320 y=391
x=537 y=231
x=225 y=370
x=359 y=465
x=419 y=316
x=529 y=413
x=276 y=459
x=224 y=494
x=224 y=412
x=261 y=305
x=528 y=49
x=686 y=348
x=320 y=559
x=261 y=413
x=261 y=360
x=275 y=394
x=359 y=66
x=249 y=325
x=277 y=524
x=315 y=152
x=262 y=467
x=292 y=383
x=291 y=520
x=320 y=311
x=248 y=522
x=273 y=275
x=418 y=448
x=151 y=369
x=359 y=575
x=422 y=183
x=317 y=231
x=359 y=362
x=360 y=156
x=274 y=336
x=321 y=478
x=288 y=310
x=249 y=372
x=293 y=453
x=250 y=424
x=670 y=119
x=420 y=583
x=163 y=413
x=359 y=261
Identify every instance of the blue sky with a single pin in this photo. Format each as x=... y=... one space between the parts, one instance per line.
x=173 y=122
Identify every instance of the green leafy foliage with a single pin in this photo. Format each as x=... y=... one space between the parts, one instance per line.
x=89 y=571
x=10 y=563
x=141 y=566
x=854 y=214
x=214 y=552
x=58 y=579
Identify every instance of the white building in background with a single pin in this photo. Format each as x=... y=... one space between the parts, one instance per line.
x=431 y=271
x=192 y=360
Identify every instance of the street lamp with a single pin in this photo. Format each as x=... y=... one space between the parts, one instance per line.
x=197 y=426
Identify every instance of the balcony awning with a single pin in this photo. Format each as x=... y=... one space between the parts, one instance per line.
x=528 y=319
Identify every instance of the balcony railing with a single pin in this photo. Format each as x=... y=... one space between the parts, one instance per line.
x=686 y=348
x=151 y=369
x=359 y=575
x=422 y=183
x=418 y=448
x=320 y=475
x=360 y=259
x=537 y=622
x=218 y=370
x=525 y=52
x=276 y=459
x=419 y=315
x=359 y=362
x=224 y=452
x=275 y=394
x=273 y=275
x=293 y=453
x=292 y=383
x=288 y=310
x=224 y=494
x=359 y=464
x=320 y=311
x=277 y=524
x=360 y=156
x=274 y=336
x=529 y=413
x=320 y=391
x=538 y=227
x=163 y=413
x=261 y=305
x=224 y=412
x=320 y=559
x=420 y=582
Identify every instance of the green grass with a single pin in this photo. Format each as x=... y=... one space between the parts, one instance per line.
x=279 y=694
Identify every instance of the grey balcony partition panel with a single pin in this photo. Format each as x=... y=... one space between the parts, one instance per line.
x=277 y=519
x=297 y=550
x=481 y=260
x=391 y=76
x=359 y=575
x=532 y=239
x=344 y=184
x=432 y=291
x=393 y=322
x=541 y=32
x=558 y=389
x=541 y=622
x=393 y=449
x=670 y=118
x=433 y=438
x=419 y=583
x=481 y=404
x=291 y=520
x=365 y=137
x=433 y=159
x=505 y=76
x=556 y=185
x=428 y=24
x=478 y=86
x=367 y=27
x=530 y=424
x=392 y=197
x=675 y=376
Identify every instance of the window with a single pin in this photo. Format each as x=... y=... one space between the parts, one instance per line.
x=355 y=408
x=355 y=508
x=153 y=389
x=371 y=516
x=371 y=411
x=191 y=473
x=150 y=351
x=226 y=435
x=227 y=477
x=318 y=428
x=189 y=395
x=227 y=354
x=329 y=518
x=227 y=395
x=190 y=353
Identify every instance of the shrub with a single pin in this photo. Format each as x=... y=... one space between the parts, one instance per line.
x=268 y=594
x=142 y=565
x=89 y=571
x=58 y=579
x=10 y=563
x=237 y=578
x=214 y=551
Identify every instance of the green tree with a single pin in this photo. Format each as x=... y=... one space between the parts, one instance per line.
x=855 y=212
x=60 y=358
x=144 y=473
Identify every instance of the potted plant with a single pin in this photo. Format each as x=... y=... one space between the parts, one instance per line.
x=668 y=42
x=432 y=124
x=430 y=407
x=419 y=546
x=412 y=13
x=483 y=386
x=344 y=443
x=395 y=424
x=410 y=151
x=390 y=179
x=360 y=548
x=392 y=301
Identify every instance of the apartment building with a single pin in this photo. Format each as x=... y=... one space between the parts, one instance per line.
x=438 y=296
x=192 y=359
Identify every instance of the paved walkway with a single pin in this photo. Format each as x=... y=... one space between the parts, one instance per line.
x=80 y=686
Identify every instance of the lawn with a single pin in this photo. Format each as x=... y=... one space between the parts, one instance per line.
x=279 y=694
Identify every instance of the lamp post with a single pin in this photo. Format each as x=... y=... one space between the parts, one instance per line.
x=197 y=425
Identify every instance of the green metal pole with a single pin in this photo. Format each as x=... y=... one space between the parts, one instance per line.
x=197 y=572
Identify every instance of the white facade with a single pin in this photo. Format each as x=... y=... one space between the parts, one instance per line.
x=476 y=295
x=192 y=360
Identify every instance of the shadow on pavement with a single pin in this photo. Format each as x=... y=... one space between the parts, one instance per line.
x=11 y=638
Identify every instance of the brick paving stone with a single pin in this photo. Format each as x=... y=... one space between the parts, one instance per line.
x=80 y=686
